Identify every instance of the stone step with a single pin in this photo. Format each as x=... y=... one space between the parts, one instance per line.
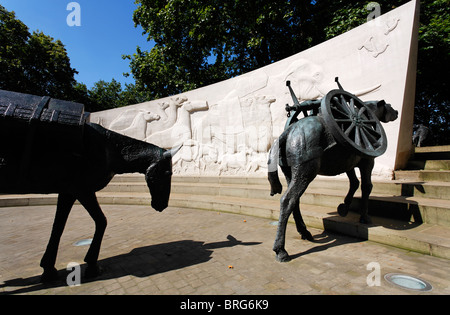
x=423 y=175
x=414 y=208
x=260 y=186
x=432 y=153
x=400 y=200
x=425 y=238
x=429 y=165
x=27 y=200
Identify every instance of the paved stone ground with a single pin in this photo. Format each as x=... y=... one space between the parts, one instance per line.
x=184 y=252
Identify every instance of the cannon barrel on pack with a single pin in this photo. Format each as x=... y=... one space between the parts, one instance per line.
x=31 y=109
x=347 y=118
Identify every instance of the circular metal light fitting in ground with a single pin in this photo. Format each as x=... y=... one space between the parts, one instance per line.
x=83 y=242
x=408 y=282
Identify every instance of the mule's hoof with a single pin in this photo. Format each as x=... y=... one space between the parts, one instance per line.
x=275 y=184
x=49 y=275
x=282 y=256
x=306 y=235
x=365 y=219
x=342 y=210
x=92 y=271
x=276 y=190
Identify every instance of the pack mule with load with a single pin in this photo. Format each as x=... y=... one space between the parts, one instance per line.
x=337 y=134
x=49 y=146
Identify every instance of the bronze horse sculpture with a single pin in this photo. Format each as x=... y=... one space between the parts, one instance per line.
x=308 y=148
x=43 y=152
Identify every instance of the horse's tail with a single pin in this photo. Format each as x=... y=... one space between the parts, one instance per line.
x=274 y=180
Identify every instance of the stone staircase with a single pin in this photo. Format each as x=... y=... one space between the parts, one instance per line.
x=406 y=214
x=429 y=164
x=410 y=212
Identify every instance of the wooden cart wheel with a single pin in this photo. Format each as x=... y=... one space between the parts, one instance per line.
x=353 y=124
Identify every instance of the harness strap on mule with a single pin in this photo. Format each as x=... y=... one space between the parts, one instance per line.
x=26 y=157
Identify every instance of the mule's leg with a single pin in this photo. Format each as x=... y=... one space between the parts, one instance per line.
x=300 y=224
x=272 y=169
x=302 y=175
x=89 y=201
x=287 y=204
x=65 y=203
x=366 y=166
x=354 y=184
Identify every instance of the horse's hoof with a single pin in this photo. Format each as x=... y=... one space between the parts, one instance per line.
x=49 y=275
x=282 y=256
x=306 y=235
x=92 y=271
x=342 y=210
x=365 y=220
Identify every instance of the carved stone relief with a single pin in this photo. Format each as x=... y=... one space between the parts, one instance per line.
x=234 y=134
x=228 y=128
x=378 y=43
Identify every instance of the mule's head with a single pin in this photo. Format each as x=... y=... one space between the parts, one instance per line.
x=158 y=177
x=384 y=111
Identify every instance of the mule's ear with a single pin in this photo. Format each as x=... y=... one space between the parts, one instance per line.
x=170 y=153
x=381 y=103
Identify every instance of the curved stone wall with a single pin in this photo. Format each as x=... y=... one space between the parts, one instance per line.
x=227 y=128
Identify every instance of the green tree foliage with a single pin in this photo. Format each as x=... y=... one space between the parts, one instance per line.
x=32 y=63
x=433 y=87
x=106 y=94
x=48 y=67
x=35 y=63
x=203 y=42
x=13 y=37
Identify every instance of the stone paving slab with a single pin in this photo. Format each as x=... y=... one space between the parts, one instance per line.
x=194 y=252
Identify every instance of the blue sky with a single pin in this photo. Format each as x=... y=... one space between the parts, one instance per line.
x=96 y=47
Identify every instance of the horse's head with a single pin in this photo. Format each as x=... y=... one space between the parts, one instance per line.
x=158 y=177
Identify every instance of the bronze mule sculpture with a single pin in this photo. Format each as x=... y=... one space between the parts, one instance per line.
x=306 y=149
x=76 y=169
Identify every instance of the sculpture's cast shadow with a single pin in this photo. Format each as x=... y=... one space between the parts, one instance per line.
x=326 y=240
x=140 y=262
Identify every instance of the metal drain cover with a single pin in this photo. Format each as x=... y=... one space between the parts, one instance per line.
x=83 y=242
x=408 y=282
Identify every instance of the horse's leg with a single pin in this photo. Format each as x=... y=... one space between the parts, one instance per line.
x=89 y=201
x=366 y=166
x=65 y=203
x=302 y=175
x=354 y=184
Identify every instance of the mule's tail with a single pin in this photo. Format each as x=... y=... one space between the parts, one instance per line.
x=272 y=175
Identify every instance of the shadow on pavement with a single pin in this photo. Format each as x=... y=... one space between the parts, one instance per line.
x=140 y=262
